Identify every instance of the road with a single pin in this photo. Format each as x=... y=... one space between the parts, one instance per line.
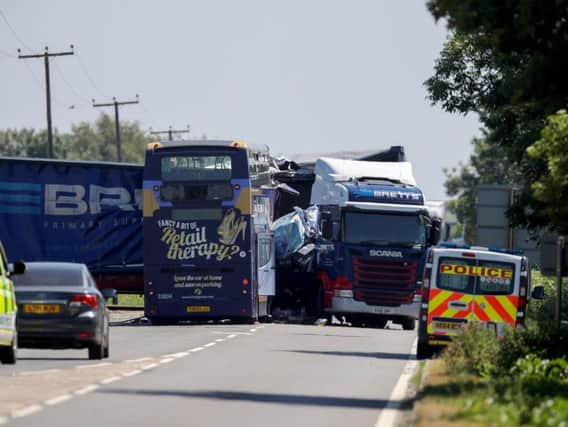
x=211 y=375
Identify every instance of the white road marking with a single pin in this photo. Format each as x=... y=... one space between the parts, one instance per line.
x=142 y=359
x=231 y=333
x=109 y=380
x=210 y=344
x=388 y=415
x=28 y=410
x=86 y=389
x=196 y=349
x=148 y=367
x=4 y=420
x=95 y=365
x=220 y=339
x=132 y=373
x=253 y=330
x=45 y=371
x=58 y=400
x=231 y=336
x=177 y=355
x=168 y=360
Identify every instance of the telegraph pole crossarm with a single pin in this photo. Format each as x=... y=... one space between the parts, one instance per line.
x=170 y=132
x=46 y=55
x=117 y=104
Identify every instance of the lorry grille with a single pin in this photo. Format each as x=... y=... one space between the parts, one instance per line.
x=380 y=282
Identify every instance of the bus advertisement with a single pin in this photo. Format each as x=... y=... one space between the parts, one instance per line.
x=203 y=250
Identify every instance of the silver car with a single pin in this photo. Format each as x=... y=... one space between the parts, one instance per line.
x=59 y=306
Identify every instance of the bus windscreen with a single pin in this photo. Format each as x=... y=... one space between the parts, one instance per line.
x=196 y=168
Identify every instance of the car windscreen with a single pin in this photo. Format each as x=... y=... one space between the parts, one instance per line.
x=377 y=228
x=37 y=276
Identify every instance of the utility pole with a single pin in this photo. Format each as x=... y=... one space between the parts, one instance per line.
x=46 y=55
x=170 y=132
x=116 y=104
x=560 y=248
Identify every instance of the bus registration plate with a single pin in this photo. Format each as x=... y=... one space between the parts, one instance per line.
x=198 y=308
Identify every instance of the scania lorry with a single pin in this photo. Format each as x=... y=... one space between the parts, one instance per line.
x=376 y=231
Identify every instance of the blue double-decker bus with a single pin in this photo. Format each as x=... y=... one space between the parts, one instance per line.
x=208 y=249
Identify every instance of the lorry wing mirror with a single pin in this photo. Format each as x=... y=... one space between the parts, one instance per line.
x=327 y=225
x=435 y=231
x=538 y=292
x=18 y=268
x=109 y=293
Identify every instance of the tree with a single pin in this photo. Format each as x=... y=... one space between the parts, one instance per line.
x=28 y=143
x=551 y=189
x=506 y=61
x=98 y=141
x=488 y=164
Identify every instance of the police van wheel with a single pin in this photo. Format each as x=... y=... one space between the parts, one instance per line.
x=423 y=351
x=8 y=355
x=409 y=324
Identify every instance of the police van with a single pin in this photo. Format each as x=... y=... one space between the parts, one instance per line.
x=472 y=284
x=8 y=309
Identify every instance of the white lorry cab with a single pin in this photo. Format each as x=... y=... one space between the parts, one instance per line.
x=471 y=284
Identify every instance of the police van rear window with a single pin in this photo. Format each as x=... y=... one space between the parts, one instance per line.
x=475 y=276
x=451 y=275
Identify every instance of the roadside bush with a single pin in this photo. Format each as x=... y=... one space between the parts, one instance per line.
x=472 y=351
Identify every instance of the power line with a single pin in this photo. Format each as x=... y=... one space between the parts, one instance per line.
x=77 y=94
x=46 y=55
x=84 y=68
x=117 y=104
x=13 y=31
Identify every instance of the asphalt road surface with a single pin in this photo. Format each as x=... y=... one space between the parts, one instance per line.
x=211 y=375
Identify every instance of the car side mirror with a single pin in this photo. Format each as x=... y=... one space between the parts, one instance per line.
x=109 y=293
x=538 y=292
x=18 y=268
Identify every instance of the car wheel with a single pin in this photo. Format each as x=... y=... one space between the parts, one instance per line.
x=9 y=355
x=96 y=351
x=106 y=349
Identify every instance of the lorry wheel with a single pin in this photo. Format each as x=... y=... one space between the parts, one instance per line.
x=423 y=351
x=356 y=321
x=380 y=323
x=409 y=324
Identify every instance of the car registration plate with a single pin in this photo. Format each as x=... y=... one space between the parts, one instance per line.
x=198 y=308
x=42 y=308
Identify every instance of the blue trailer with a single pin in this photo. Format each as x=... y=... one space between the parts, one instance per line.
x=77 y=211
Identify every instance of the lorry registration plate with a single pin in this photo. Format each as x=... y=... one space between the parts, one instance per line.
x=42 y=308
x=382 y=310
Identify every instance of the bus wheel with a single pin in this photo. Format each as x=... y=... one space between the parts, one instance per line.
x=409 y=324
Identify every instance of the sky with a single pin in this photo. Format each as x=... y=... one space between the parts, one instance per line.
x=301 y=76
